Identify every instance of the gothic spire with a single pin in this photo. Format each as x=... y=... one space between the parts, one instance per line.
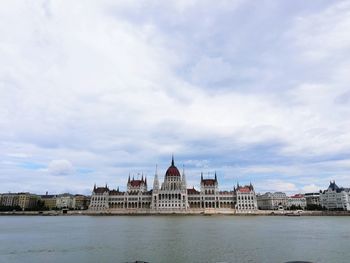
x=172 y=160
x=156 y=182
x=183 y=178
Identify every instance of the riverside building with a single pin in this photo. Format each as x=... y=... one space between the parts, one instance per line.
x=297 y=201
x=335 y=197
x=172 y=195
x=312 y=199
x=272 y=201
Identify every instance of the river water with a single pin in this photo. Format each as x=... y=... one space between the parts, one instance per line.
x=174 y=239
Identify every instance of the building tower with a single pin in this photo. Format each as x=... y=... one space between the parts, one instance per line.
x=155 y=192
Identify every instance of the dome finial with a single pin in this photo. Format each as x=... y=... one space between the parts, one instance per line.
x=172 y=160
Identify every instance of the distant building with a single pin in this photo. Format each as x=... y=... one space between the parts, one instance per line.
x=81 y=202
x=245 y=198
x=297 y=200
x=65 y=201
x=335 y=198
x=172 y=195
x=272 y=201
x=27 y=200
x=10 y=199
x=100 y=199
x=49 y=201
x=312 y=199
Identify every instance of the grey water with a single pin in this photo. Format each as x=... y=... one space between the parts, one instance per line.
x=174 y=239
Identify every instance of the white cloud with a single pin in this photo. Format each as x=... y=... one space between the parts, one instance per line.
x=95 y=84
x=277 y=185
x=60 y=167
x=312 y=188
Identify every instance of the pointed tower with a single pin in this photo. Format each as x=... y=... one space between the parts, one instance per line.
x=183 y=183
x=155 y=192
x=156 y=181
x=172 y=160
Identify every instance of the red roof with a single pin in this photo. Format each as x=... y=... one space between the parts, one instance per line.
x=244 y=189
x=192 y=191
x=208 y=181
x=135 y=183
x=172 y=171
x=226 y=192
x=297 y=196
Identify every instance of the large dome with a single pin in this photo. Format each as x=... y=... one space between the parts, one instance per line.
x=172 y=170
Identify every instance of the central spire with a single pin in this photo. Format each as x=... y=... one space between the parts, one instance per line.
x=172 y=160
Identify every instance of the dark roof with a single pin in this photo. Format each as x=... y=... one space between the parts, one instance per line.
x=332 y=186
x=192 y=191
x=116 y=192
x=209 y=182
x=100 y=190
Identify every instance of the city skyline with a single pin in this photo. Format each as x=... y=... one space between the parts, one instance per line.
x=256 y=92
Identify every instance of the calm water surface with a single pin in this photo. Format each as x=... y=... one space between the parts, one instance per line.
x=174 y=239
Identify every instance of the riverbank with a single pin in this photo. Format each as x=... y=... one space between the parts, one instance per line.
x=209 y=212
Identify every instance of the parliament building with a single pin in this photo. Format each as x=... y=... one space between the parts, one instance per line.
x=173 y=196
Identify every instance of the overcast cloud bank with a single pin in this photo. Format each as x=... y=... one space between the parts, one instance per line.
x=94 y=90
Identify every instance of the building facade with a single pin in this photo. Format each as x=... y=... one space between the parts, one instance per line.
x=172 y=195
x=49 y=201
x=335 y=197
x=245 y=198
x=65 y=200
x=81 y=202
x=272 y=201
x=10 y=199
x=312 y=199
x=27 y=200
x=297 y=201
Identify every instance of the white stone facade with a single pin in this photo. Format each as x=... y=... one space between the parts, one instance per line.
x=65 y=201
x=335 y=198
x=272 y=201
x=245 y=199
x=297 y=200
x=171 y=195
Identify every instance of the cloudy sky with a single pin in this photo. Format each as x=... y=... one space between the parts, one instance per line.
x=90 y=91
